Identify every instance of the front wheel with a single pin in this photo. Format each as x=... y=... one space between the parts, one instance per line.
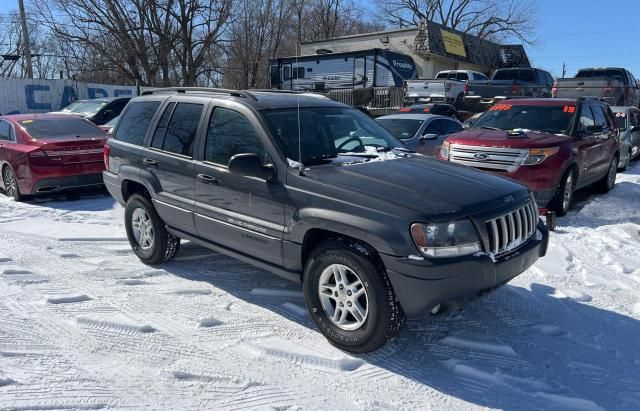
x=350 y=298
x=609 y=180
x=147 y=233
x=561 y=202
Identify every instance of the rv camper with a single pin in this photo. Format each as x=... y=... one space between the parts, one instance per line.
x=349 y=70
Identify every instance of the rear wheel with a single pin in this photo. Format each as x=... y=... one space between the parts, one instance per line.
x=609 y=180
x=147 y=233
x=11 y=184
x=561 y=202
x=350 y=298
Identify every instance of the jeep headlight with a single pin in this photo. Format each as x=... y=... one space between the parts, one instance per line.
x=538 y=155
x=451 y=239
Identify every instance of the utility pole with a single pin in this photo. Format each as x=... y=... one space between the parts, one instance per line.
x=564 y=69
x=25 y=39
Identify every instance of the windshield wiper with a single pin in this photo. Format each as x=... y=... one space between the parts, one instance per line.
x=490 y=128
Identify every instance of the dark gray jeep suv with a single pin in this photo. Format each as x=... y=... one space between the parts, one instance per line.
x=318 y=192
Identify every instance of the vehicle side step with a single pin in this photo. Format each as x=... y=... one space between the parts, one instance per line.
x=289 y=275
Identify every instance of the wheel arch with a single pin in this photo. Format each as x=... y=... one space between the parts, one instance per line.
x=314 y=237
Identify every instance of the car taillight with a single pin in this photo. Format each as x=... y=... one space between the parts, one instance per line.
x=607 y=87
x=447 y=86
x=466 y=88
x=514 y=89
x=554 y=89
x=106 y=152
x=40 y=158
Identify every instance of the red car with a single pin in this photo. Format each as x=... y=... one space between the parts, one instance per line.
x=45 y=153
x=553 y=146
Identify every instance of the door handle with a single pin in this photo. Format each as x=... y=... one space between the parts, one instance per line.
x=150 y=162
x=207 y=179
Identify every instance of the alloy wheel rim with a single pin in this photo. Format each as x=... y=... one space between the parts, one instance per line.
x=568 y=193
x=142 y=228
x=343 y=297
x=10 y=183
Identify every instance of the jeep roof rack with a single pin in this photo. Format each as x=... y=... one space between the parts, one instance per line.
x=294 y=92
x=184 y=90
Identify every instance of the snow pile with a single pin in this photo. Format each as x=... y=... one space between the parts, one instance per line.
x=207 y=331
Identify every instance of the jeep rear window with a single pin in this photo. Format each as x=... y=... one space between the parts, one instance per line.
x=549 y=119
x=54 y=129
x=326 y=132
x=134 y=123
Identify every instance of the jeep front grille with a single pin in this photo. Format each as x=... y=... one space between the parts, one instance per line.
x=509 y=231
x=494 y=158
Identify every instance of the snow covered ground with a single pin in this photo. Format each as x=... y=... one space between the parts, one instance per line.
x=85 y=325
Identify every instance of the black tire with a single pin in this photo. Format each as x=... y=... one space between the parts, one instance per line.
x=163 y=246
x=384 y=316
x=10 y=183
x=607 y=182
x=558 y=203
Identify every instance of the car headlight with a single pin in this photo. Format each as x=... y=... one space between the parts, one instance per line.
x=444 y=149
x=538 y=155
x=451 y=239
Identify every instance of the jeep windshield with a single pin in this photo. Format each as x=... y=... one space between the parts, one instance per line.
x=554 y=119
x=327 y=133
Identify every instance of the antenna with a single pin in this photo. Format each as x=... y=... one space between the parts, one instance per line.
x=298 y=101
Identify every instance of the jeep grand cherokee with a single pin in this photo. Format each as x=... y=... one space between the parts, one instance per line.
x=318 y=192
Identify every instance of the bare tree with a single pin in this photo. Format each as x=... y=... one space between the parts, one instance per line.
x=154 y=42
x=324 y=19
x=256 y=35
x=490 y=19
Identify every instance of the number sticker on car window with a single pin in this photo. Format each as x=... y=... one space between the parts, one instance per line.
x=501 y=107
x=569 y=109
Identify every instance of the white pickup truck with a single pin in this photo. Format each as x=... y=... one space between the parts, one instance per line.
x=447 y=87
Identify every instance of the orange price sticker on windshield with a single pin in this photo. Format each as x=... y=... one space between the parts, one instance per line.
x=501 y=107
x=569 y=109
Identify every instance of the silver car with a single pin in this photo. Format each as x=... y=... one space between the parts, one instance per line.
x=628 y=121
x=423 y=133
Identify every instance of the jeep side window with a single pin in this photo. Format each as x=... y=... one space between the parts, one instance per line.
x=181 y=130
x=135 y=122
x=230 y=133
x=586 y=118
x=158 y=136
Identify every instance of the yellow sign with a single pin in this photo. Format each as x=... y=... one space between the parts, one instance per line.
x=453 y=43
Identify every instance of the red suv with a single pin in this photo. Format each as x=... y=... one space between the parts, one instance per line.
x=554 y=146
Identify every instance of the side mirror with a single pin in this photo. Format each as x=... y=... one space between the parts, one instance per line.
x=429 y=137
x=249 y=164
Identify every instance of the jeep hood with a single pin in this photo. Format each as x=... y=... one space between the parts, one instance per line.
x=439 y=189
